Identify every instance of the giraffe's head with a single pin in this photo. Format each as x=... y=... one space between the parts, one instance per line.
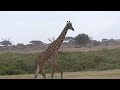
x=69 y=25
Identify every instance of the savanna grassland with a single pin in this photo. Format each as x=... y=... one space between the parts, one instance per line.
x=75 y=64
x=104 y=74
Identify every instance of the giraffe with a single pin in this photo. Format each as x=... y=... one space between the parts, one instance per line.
x=51 y=53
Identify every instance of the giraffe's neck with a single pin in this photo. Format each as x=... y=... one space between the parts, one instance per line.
x=57 y=43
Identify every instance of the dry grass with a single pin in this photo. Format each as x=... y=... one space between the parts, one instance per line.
x=107 y=74
x=65 y=49
x=89 y=49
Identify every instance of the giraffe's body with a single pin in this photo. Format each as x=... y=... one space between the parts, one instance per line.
x=50 y=54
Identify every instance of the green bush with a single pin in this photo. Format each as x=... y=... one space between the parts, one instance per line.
x=21 y=63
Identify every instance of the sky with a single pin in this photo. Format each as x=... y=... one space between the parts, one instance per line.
x=24 y=26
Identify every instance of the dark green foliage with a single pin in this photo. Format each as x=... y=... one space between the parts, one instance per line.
x=82 y=39
x=6 y=42
x=68 y=38
x=18 y=63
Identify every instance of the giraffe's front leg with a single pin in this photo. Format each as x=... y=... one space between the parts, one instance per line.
x=55 y=64
x=60 y=69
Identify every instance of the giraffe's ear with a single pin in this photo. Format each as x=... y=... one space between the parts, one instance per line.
x=67 y=21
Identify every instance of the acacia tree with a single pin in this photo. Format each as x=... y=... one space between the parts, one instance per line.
x=82 y=39
x=68 y=38
x=36 y=42
x=6 y=43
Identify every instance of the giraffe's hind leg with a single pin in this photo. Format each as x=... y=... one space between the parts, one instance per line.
x=43 y=72
x=40 y=69
x=37 y=72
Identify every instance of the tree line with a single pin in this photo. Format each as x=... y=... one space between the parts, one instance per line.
x=80 y=40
